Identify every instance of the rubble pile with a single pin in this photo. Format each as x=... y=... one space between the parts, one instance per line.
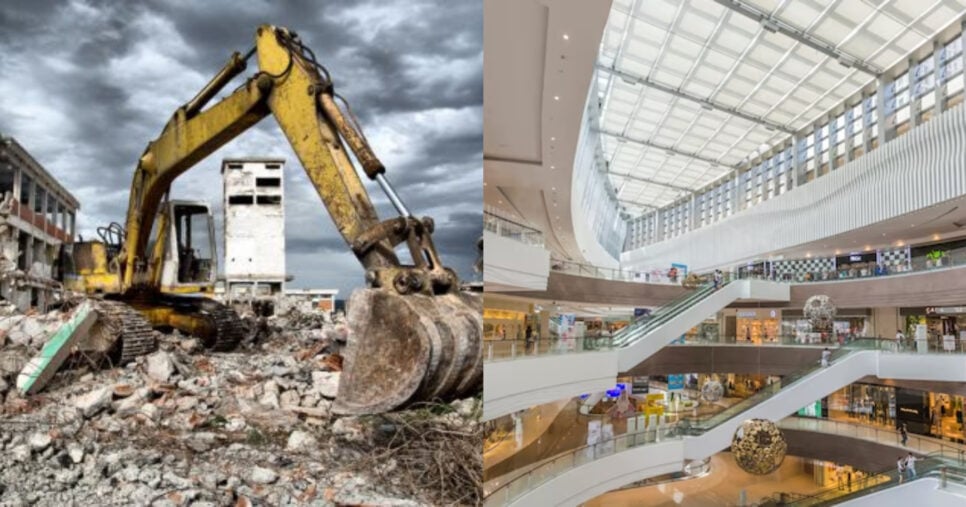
x=184 y=426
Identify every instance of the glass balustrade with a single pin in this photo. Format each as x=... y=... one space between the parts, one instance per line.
x=688 y=427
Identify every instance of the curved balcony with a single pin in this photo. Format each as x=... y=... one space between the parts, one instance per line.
x=589 y=471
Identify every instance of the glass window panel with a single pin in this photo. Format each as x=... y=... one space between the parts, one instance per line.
x=902 y=82
x=902 y=115
x=954 y=86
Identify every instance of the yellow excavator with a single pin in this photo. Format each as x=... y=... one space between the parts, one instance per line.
x=413 y=335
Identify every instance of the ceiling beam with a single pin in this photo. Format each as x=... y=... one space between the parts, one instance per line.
x=650 y=181
x=705 y=103
x=638 y=204
x=773 y=24
x=668 y=149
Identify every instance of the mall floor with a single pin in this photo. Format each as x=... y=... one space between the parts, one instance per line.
x=722 y=486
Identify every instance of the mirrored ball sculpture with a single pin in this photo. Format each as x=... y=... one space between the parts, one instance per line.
x=712 y=391
x=820 y=311
x=759 y=446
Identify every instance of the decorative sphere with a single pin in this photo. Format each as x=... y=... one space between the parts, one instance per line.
x=759 y=446
x=820 y=311
x=712 y=391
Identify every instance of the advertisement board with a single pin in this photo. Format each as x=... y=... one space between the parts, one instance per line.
x=675 y=382
x=639 y=385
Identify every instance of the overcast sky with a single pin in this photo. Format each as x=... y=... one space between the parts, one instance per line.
x=85 y=84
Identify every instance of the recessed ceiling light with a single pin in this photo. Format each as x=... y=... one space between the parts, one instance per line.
x=553 y=188
x=566 y=37
x=556 y=97
x=553 y=167
x=553 y=138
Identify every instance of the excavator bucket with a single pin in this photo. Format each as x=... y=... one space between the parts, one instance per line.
x=405 y=349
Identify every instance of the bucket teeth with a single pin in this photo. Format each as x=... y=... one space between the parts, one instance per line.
x=404 y=349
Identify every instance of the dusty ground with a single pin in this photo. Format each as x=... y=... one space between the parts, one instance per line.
x=188 y=427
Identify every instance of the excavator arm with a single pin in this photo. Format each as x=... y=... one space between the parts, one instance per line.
x=413 y=334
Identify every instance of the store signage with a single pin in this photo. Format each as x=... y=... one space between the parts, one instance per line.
x=747 y=314
x=675 y=382
x=946 y=310
x=909 y=410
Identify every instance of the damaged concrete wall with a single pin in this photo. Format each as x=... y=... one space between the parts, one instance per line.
x=254 y=227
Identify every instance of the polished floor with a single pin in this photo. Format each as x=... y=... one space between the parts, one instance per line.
x=722 y=486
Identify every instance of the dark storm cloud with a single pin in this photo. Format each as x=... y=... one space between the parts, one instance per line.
x=85 y=84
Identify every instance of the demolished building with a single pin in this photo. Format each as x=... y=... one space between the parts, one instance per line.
x=254 y=228
x=37 y=218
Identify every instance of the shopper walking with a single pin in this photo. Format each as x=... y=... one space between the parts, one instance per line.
x=826 y=355
x=718 y=277
x=911 y=466
x=529 y=338
x=903 y=433
x=901 y=465
x=900 y=339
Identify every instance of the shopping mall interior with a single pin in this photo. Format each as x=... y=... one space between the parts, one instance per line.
x=725 y=252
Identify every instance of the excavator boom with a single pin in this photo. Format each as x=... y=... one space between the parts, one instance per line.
x=413 y=334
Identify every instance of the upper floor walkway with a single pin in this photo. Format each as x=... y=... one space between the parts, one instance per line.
x=587 y=472
x=515 y=385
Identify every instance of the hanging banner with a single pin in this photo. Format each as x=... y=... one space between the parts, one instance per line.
x=675 y=382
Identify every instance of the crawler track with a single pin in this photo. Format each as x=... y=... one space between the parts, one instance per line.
x=135 y=336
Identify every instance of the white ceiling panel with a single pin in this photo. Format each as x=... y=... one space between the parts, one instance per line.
x=714 y=53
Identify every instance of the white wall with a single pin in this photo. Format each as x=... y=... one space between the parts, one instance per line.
x=254 y=233
x=512 y=265
x=602 y=210
x=923 y=168
x=516 y=384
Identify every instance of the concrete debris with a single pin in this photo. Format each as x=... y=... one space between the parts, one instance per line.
x=184 y=426
x=93 y=402
x=160 y=367
x=301 y=441
x=261 y=475
x=40 y=441
x=326 y=383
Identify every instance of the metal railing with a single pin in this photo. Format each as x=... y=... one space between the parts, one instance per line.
x=692 y=427
x=940 y=465
x=495 y=350
x=653 y=276
x=917 y=443
x=949 y=259
x=552 y=467
x=512 y=230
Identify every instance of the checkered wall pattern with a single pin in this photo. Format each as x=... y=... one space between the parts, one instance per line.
x=896 y=257
x=813 y=265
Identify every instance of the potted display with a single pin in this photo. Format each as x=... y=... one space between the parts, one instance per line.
x=934 y=259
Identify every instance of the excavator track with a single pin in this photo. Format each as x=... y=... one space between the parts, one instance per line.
x=135 y=336
x=229 y=330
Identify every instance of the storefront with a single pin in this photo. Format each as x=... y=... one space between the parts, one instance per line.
x=939 y=320
x=848 y=322
x=598 y=326
x=505 y=319
x=865 y=403
x=756 y=325
x=946 y=416
x=856 y=265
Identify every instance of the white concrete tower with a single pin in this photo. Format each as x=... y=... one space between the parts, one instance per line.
x=254 y=228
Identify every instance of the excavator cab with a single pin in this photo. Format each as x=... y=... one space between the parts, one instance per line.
x=189 y=263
